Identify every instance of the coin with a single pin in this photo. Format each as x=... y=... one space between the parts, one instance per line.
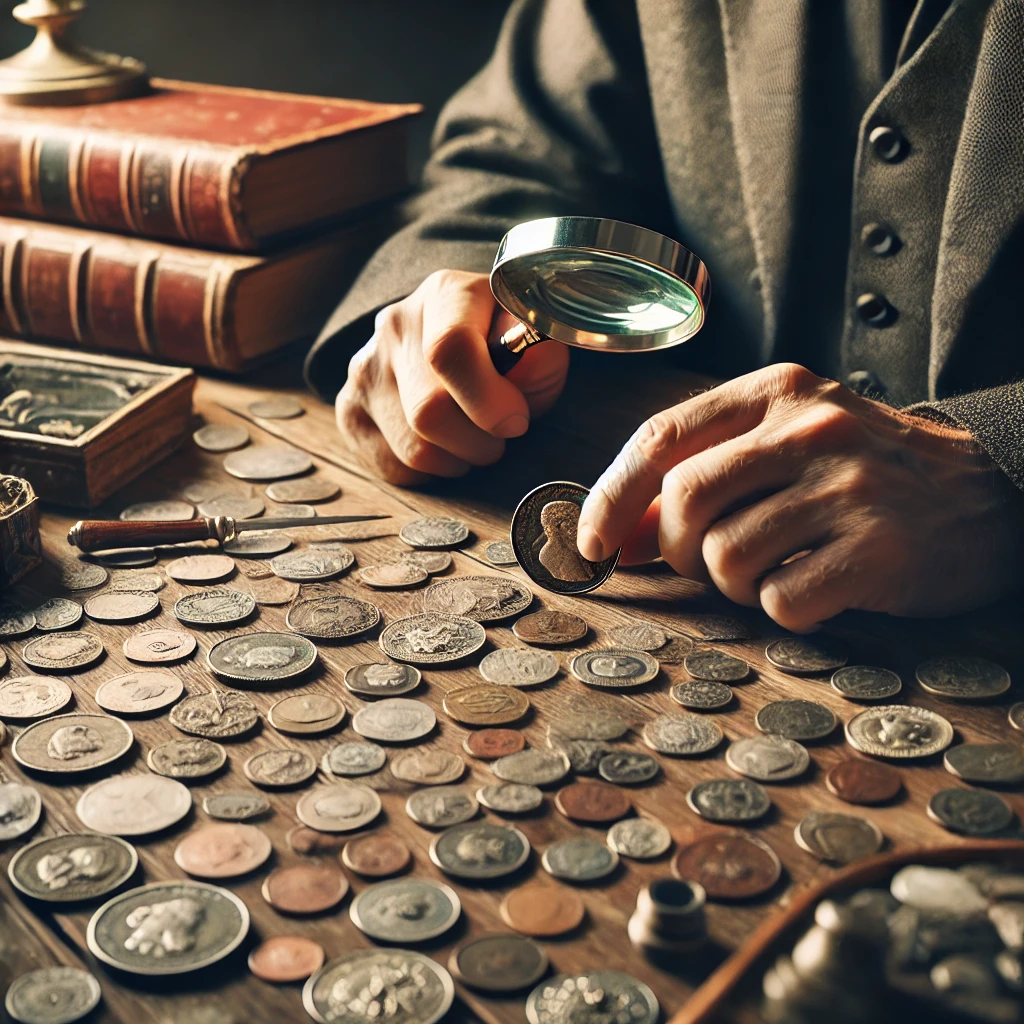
x=638 y=636
x=490 y=744
x=168 y=928
x=222 y=849
x=405 y=910
x=382 y=679
x=730 y=865
x=434 y=532
x=137 y=582
x=627 y=768
x=305 y=888
x=133 y=805
x=963 y=678
x=799 y=655
x=273 y=591
x=15 y=621
x=970 y=811
x=427 y=767
x=431 y=562
x=430 y=639
x=221 y=437
x=309 y=488
x=550 y=628
x=593 y=803
x=532 y=767
x=701 y=696
x=220 y=606
x=441 y=807
x=376 y=855
x=795 y=719
x=682 y=735
x=125 y=558
x=714 y=666
x=574 y=997
x=394 y=720
x=170 y=511
x=485 y=704
x=866 y=682
x=614 y=667
x=510 y=797
x=767 y=758
x=156 y=646
x=899 y=731
x=72 y=743
x=235 y=806
x=499 y=552
x=276 y=407
x=20 y=808
x=863 y=782
x=991 y=764
x=480 y=850
x=187 y=758
x=508 y=666
x=579 y=859
x=332 y=617
x=1016 y=715
x=217 y=714
x=370 y=978
x=32 y=696
x=82 y=576
x=392 y=575
x=306 y=714
x=354 y=758
x=639 y=838
x=262 y=657
x=263 y=462
x=286 y=958
x=306 y=565
x=590 y=725
x=198 y=569
x=52 y=995
x=235 y=506
x=542 y=910
x=338 y=807
x=62 y=652
x=279 y=768
x=838 y=838
x=499 y=963
x=675 y=651
x=584 y=755
x=481 y=598
x=257 y=544
x=121 y=606
x=72 y=868
x=731 y=800
x=57 y=613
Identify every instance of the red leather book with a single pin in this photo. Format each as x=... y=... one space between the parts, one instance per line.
x=204 y=164
x=95 y=290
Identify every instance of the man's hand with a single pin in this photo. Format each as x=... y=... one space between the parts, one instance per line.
x=423 y=398
x=890 y=512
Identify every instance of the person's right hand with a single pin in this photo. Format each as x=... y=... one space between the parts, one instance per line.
x=423 y=397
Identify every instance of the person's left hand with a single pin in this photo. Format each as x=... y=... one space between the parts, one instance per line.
x=890 y=512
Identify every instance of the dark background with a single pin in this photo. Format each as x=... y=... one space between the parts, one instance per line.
x=389 y=50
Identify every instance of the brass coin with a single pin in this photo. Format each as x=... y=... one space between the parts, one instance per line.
x=187 y=758
x=139 y=693
x=62 y=652
x=863 y=782
x=121 y=606
x=198 y=569
x=276 y=407
x=273 y=591
x=222 y=849
x=730 y=865
x=308 y=488
x=32 y=696
x=306 y=714
x=392 y=575
x=305 y=888
x=286 y=958
x=263 y=462
x=485 y=704
x=276 y=769
x=427 y=767
x=550 y=628
x=221 y=437
x=594 y=803
x=376 y=855
x=838 y=838
x=72 y=743
x=338 y=807
x=543 y=910
x=157 y=646
x=490 y=744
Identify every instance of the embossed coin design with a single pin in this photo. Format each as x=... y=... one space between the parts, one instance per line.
x=430 y=639
x=137 y=581
x=970 y=811
x=15 y=621
x=716 y=667
x=305 y=888
x=427 y=767
x=32 y=696
x=508 y=666
x=286 y=958
x=376 y=855
x=542 y=910
x=80 y=576
x=485 y=704
x=159 y=646
x=306 y=714
x=431 y=562
x=220 y=606
x=729 y=800
x=121 y=606
x=382 y=679
x=899 y=731
x=682 y=735
x=217 y=715
x=550 y=628
x=235 y=806
x=532 y=767
x=62 y=652
x=701 y=696
x=72 y=868
x=580 y=859
x=308 y=488
x=263 y=462
x=221 y=437
x=480 y=598
x=257 y=544
x=52 y=995
x=795 y=719
x=58 y=613
x=767 y=758
x=20 y=808
x=627 y=768
x=719 y=627
x=276 y=769
x=730 y=866
x=963 y=678
x=594 y=803
x=863 y=782
x=139 y=693
x=838 y=838
x=866 y=682
x=800 y=656
x=261 y=658
x=499 y=963
x=309 y=565
x=480 y=850
x=405 y=910
x=490 y=744
x=499 y=552
x=133 y=805
x=986 y=764
x=638 y=636
x=584 y=755
x=72 y=743
x=187 y=758
x=332 y=617
x=394 y=720
x=398 y=575
x=510 y=797
x=201 y=569
x=434 y=532
x=570 y=997
x=273 y=591
x=639 y=838
x=441 y=807
x=338 y=807
x=222 y=849
x=614 y=668
x=354 y=758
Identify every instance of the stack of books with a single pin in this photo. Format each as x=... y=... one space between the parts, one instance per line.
x=196 y=224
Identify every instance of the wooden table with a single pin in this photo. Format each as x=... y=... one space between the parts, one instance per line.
x=597 y=414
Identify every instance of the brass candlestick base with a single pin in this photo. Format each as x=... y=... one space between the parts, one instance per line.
x=53 y=71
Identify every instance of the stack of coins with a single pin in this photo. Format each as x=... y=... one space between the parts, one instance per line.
x=669 y=917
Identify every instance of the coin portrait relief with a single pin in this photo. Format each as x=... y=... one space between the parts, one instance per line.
x=559 y=555
x=56 y=871
x=164 y=929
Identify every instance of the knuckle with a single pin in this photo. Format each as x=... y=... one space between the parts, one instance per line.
x=790 y=378
x=825 y=426
x=426 y=415
x=389 y=319
x=657 y=438
x=360 y=372
x=722 y=555
x=414 y=452
x=784 y=601
x=445 y=349
x=860 y=484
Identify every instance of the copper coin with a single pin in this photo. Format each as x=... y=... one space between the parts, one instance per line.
x=284 y=958
x=490 y=744
x=201 y=568
x=485 y=704
x=593 y=802
x=305 y=888
x=376 y=855
x=542 y=910
x=222 y=849
x=730 y=866
x=550 y=628
x=863 y=782
x=159 y=645
x=303 y=839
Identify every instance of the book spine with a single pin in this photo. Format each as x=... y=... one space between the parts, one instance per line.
x=151 y=188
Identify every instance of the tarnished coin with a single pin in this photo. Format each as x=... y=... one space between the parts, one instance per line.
x=395 y=720
x=532 y=767
x=899 y=731
x=57 y=613
x=431 y=562
x=800 y=655
x=121 y=606
x=550 y=628
x=441 y=807
x=201 y=490
x=427 y=767
x=72 y=743
x=62 y=652
x=15 y=621
x=719 y=627
x=499 y=963
x=485 y=704
x=293 y=511
x=275 y=769
x=168 y=928
x=701 y=695
x=627 y=768
x=572 y=997
x=158 y=646
x=795 y=719
x=590 y=725
x=616 y=668
x=682 y=735
x=963 y=678
x=258 y=544
x=579 y=859
x=594 y=803
x=72 y=868
x=125 y=558
x=382 y=679
x=263 y=462
x=544 y=540
x=490 y=744
x=376 y=855
x=480 y=850
x=431 y=639
x=863 y=782
x=510 y=797
x=273 y=591
x=731 y=800
x=638 y=636
x=427 y=988
x=730 y=865
x=508 y=666
x=392 y=575
x=237 y=506
x=32 y=696
x=82 y=576
x=307 y=564
x=262 y=657
x=714 y=666
x=838 y=838
x=257 y=569
x=767 y=758
x=170 y=511
x=354 y=758
x=542 y=910
x=584 y=755
x=405 y=910
x=970 y=811
x=199 y=569
x=216 y=715
x=308 y=488
x=20 y=808
x=276 y=407
x=639 y=838
x=499 y=552
x=481 y=598
x=306 y=714
x=305 y=888
x=52 y=995
x=675 y=651
x=986 y=764
x=193 y=758
x=137 y=581
x=1016 y=715
x=866 y=682
x=286 y=958
x=221 y=606
x=338 y=807
x=221 y=437
x=434 y=532
x=235 y=806
x=332 y=617
x=222 y=849
x=133 y=805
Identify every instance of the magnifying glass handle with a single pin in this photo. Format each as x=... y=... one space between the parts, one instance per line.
x=508 y=348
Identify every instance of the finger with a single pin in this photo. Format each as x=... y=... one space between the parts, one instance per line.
x=642 y=544
x=540 y=375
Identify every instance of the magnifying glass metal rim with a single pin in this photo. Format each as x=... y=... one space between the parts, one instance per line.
x=599 y=235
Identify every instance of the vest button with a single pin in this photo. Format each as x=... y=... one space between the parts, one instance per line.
x=879 y=239
x=874 y=309
x=889 y=144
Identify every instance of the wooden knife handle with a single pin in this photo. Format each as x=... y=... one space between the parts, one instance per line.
x=99 y=534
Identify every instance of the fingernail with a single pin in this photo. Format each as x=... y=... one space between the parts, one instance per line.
x=589 y=544
x=514 y=426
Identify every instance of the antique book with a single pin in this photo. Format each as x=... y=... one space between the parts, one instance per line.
x=204 y=164
x=201 y=308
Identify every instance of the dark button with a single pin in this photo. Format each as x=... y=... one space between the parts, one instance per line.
x=889 y=144
x=874 y=309
x=879 y=239
x=864 y=383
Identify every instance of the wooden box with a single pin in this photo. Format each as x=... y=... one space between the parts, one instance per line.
x=79 y=426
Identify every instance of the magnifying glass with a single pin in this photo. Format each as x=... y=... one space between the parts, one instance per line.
x=595 y=283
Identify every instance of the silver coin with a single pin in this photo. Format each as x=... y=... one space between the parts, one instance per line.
x=434 y=532
x=532 y=767
x=838 y=838
x=590 y=725
x=258 y=544
x=133 y=805
x=306 y=565
x=938 y=890
x=32 y=696
x=970 y=811
x=65 y=652
x=627 y=768
x=262 y=462
x=398 y=575
x=218 y=606
x=431 y=562
x=338 y=807
x=580 y=859
x=125 y=558
x=52 y=995
x=799 y=655
x=262 y=657
x=963 y=678
x=719 y=627
x=221 y=437
x=499 y=963
x=1016 y=715
x=121 y=606
x=510 y=797
x=795 y=719
x=310 y=488
x=136 y=581
x=236 y=506
x=899 y=731
x=20 y=808
x=441 y=806
x=616 y=668
x=986 y=764
x=585 y=756
x=199 y=570
x=701 y=695
x=276 y=407
x=82 y=576
x=480 y=850
x=405 y=910
x=767 y=758
x=276 y=769
x=171 y=511
x=382 y=679
x=866 y=682
x=509 y=666
x=716 y=667
x=682 y=735
x=201 y=490
x=193 y=758
x=57 y=613
x=294 y=510
x=394 y=720
x=72 y=868
x=72 y=743
x=481 y=598
x=235 y=806
x=354 y=758
x=499 y=552
x=638 y=636
x=729 y=800
x=168 y=928
x=216 y=715
x=639 y=838
x=597 y=995
x=431 y=639
x=332 y=617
